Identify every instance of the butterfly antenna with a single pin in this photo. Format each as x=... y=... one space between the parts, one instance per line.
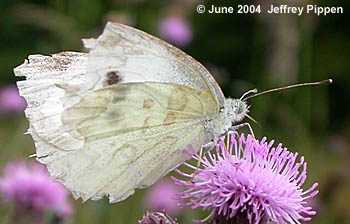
x=327 y=81
x=248 y=92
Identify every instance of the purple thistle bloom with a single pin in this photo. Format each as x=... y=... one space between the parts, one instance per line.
x=29 y=186
x=162 y=196
x=10 y=99
x=175 y=30
x=258 y=181
x=156 y=218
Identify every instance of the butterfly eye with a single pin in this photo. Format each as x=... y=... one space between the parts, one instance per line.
x=239 y=107
x=237 y=104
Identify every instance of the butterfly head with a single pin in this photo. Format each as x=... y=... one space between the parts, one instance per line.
x=236 y=109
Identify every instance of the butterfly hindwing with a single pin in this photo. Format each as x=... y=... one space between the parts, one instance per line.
x=133 y=135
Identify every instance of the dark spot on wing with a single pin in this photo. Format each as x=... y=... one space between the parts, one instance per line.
x=119 y=93
x=148 y=103
x=114 y=115
x=145 y=125
x=169 y=118
x=112 y=78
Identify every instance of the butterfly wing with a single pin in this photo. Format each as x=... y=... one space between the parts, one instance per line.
x=89 y=127
x=137 y=56
x=44 y=98
x=133 y=135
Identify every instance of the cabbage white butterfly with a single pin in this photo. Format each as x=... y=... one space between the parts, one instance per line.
x=118 y=118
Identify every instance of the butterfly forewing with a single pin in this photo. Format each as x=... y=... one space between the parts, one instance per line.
x=137 y=56
x=44 y=98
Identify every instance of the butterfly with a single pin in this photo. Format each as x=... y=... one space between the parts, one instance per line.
x=118 y=118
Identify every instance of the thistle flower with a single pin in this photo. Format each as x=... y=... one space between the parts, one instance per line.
x=175 y=30
x=162 y=196
x=157 y=218
x=256 y=184
x=30 y=187
x=10 y=99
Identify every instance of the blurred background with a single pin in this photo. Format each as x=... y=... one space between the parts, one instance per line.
x=242 y=51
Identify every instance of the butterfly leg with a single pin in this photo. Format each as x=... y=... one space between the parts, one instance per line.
x=236 y=127
x=205 y=149
x=198 y=162
x=209 y=145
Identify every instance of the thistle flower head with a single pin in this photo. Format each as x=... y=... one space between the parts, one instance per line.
x=156 y=218
x=10 y=101
x=250 y=179
x=162 y=196
x=29 y=186
x=175 y=30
